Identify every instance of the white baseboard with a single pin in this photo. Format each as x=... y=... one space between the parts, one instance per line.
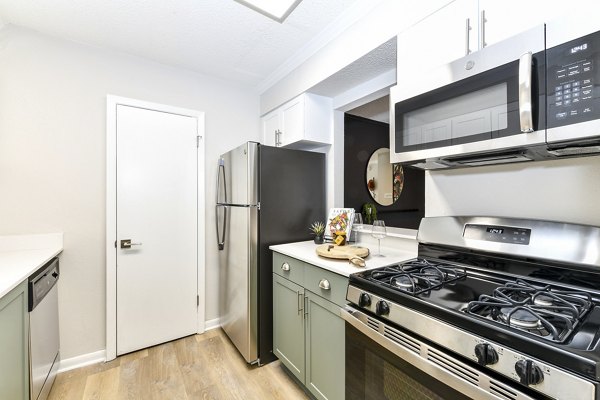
x=100 y=356
x=82 y=361
x=212 y=324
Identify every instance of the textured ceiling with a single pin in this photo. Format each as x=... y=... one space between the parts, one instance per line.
x=221 y=38
x=371 y=65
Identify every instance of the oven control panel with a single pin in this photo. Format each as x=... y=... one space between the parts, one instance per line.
x=496 y=233
x=573 y=79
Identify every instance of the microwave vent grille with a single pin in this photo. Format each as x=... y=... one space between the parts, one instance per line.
x=575 y=151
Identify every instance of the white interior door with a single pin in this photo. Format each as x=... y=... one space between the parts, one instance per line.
x=157 y=209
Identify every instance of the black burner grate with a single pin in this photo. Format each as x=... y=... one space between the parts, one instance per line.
x=538 y=310
x=417 y=276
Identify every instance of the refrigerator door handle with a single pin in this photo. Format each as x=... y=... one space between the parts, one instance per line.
x=221 y=239
x=221 y=172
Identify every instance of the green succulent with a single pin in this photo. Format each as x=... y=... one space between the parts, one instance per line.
x=318 y=228
x=369 y=213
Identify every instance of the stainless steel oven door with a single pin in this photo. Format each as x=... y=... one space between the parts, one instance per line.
x=384 y=363
x=490 y=101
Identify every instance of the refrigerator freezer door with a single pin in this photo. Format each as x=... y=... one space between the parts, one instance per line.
x=238 y=277
x=238 y=176
x=221 y=183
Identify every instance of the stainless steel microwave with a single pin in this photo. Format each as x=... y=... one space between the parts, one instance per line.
x=530 y=97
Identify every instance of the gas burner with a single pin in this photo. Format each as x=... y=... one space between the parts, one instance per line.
x=543 y=300
x=403 y=281
x=520 y=318
x=541 y=311
x=417 y=276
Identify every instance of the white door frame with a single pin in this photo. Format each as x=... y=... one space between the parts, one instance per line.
x=111 y=211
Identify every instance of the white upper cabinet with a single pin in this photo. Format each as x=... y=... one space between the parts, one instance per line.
x=270 y=128
x=465 y=26
x=446 y=35
x=500 y=19
x=303 y=123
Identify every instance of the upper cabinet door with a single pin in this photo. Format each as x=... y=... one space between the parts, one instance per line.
x=292 y=121
x=271 y=128
x=446 y=35
x=499 y=20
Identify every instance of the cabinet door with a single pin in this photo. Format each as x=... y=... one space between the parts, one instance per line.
x=270 y=127
x=288 y=324
x=292 y=121
x=438 y=39
x=14 y=344
x=325 y=349
x=506 y=18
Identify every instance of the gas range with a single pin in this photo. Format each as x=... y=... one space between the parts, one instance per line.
x=516 y=300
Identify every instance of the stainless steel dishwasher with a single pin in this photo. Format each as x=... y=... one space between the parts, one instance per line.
x=43 y=329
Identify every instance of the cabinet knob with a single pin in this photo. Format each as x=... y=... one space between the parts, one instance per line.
x=324 y=284
x=285 y=266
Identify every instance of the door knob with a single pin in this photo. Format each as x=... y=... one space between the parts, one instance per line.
x=126 y=244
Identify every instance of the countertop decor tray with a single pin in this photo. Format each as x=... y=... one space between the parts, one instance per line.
x=341 y=252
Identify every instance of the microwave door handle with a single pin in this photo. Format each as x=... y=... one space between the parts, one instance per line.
x=525 y=106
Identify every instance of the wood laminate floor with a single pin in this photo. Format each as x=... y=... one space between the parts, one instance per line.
x=203 y=366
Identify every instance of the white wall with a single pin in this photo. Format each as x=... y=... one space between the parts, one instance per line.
x=53 y=156
x=562 y=190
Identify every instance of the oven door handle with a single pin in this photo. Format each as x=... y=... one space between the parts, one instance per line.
x=419 y=354
x=525 y=100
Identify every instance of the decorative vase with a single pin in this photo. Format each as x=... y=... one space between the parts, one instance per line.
x=318 y=239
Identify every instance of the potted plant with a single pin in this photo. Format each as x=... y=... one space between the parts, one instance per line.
x=318 y=229
x=369 y=213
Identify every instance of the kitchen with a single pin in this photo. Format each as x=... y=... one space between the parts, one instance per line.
x=53 y=153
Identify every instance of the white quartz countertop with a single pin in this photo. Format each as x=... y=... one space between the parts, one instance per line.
x=305 y=251
x=22 y=255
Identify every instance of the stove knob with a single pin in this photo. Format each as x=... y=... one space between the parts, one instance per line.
x=529 y=373
x=364 y=300
x=382 y=308
x=486 y=355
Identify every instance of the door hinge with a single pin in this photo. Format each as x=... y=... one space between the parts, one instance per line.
x=115 y=244
x=197 y=300
x=198 y=141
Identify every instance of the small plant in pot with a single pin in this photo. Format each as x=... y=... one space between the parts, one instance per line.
x=369 y=213
x=318 y=229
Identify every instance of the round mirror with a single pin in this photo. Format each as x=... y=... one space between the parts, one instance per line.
x=384 y=180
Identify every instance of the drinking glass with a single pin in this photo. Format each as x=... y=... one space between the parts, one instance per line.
x=357 y=225
x=379 y=233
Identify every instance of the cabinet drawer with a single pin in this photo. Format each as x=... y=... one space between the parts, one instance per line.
x=315 y=277
x=288 y=267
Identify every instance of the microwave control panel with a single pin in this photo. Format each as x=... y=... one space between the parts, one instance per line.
x=573 y=79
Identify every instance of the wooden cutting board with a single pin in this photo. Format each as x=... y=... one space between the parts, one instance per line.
x=341 y=252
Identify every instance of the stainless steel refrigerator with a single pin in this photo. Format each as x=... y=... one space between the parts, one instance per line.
x=265 y=195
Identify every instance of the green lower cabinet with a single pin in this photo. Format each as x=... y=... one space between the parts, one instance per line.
x=288 y=324
x=325 y=349
x=14 y=345
x=308 y=338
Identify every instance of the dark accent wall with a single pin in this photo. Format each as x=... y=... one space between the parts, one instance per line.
x=361 y=138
